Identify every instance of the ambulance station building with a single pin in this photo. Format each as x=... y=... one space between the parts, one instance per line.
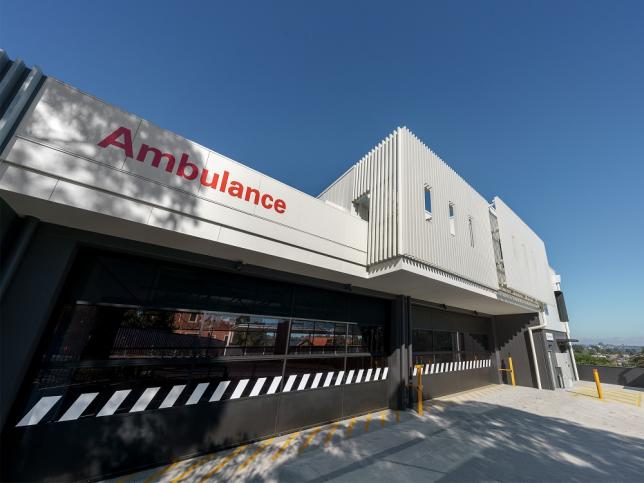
x=160 y=300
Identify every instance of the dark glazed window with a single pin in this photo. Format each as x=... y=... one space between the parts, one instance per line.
x=443 y=341
x=423 y=340
x=314 y=303
x=358 y=363
x=470 y=223
x=311 y=337
x=126 y=322
x=366 y=338
x=460 y=341
x=88 y=332
x=428 y=203
x=309 y=366
x=452 y=220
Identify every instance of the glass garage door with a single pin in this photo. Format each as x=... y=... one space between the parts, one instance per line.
x=152 y=360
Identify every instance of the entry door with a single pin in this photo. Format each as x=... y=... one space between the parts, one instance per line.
x=563 y=361
x=555 y=370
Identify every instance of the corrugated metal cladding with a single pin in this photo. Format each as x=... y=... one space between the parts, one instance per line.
x=429 y=240
x=375 y=176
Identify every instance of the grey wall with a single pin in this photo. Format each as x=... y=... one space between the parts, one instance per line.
x=624 y=376
x=436 y=385
x=7 y=219
x=400 y=354
x=512 y=340
x=27 y=304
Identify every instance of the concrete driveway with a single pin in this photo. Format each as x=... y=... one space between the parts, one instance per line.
x=498 y=433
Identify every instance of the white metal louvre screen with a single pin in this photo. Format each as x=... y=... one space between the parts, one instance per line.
x=431 y=241
x=377 y=174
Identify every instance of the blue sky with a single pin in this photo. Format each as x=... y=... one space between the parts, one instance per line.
x=541 y=103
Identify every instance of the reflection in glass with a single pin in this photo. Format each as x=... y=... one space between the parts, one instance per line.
x=309 y=337
x=443 y=341
x=104 y=332
x=423 y=340
x=445 y=346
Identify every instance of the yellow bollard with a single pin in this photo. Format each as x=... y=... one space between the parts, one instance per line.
x=511 y=371
x=419 y=371
x=598 y=384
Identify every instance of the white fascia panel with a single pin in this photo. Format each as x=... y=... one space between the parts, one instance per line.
x=268 y=247
x=166 y=142
x=188 y=214
x=79 y=170
x=16 y=179
x=98 y=201
x=312 y=215
x=218 y=164
x=524 y=256
x=60 y=135
x=170 y=220
x=64 y=117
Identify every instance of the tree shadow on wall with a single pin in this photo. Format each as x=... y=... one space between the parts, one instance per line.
x=80 y=161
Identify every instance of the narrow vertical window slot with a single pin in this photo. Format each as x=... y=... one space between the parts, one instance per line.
x=470 y=224
x=452 y=220
x=428 y=203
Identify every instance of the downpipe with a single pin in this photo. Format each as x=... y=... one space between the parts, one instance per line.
x=534 y=352
x=572 y=352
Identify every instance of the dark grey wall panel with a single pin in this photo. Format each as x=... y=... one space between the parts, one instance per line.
x=362 y=398
x=27 y=305
x=307 y=408
x=512 y=339
x=7 y=220
x=561 y=306
x=624 y=376
x=88 y=448
x=546 y=366
x=435 y=385
x=400 y=356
